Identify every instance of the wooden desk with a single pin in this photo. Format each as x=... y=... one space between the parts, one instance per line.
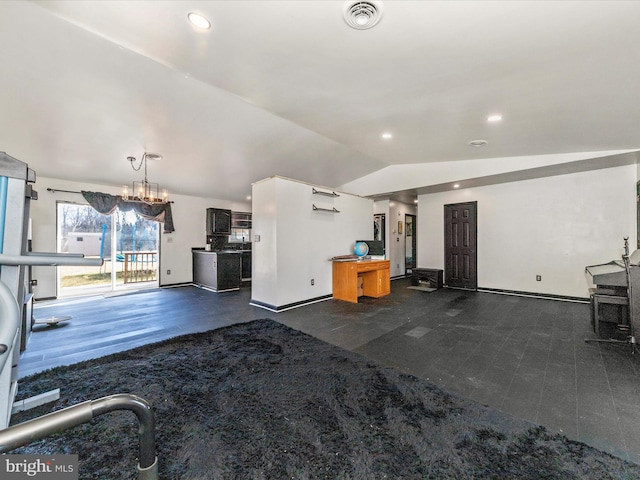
x=375 y=275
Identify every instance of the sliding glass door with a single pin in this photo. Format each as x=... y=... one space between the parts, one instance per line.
x=127 y=243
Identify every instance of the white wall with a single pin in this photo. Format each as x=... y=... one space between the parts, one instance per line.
x=264 y=286
x=552 y=227
x=175 y=248
x=297 y=242
x=416 y=175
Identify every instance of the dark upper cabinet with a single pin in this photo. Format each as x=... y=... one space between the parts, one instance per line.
x=218 y=221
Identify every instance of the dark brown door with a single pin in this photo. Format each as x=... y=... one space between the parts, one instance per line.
x=460 y=242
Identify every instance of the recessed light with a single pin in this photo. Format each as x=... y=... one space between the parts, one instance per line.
x=478 y=143
x=248 y=197
x=494 y=118
x=387 y=135
x=456 y=185
x=199 y=21
x=415 y=201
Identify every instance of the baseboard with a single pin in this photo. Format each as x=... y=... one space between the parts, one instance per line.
x=173 y=285
x=282 y=308
x=168 y=285
x=548 y=296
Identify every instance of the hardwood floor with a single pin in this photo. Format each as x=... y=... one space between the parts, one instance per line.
x=101 y=325
x=524 y=356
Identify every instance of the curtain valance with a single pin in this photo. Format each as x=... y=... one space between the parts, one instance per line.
x=106 y=204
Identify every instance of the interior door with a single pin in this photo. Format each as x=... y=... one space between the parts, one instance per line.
x=460 y=245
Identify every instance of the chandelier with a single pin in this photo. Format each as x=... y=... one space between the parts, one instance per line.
x=145 y=191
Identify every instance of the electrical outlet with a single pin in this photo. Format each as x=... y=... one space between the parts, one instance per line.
x=538 y=278
x=313 y=281
x=168 y=272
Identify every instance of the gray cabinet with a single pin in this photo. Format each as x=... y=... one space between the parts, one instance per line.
x=246 y=264
x=241 y=220
x=219 y=271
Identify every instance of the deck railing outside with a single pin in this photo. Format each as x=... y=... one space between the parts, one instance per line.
x=140 y=267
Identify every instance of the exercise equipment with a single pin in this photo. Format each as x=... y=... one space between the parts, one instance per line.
x=52 y=321
x=16 y=194
x=629 y=276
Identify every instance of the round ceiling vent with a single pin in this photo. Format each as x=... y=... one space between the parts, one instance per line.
x=478 y=143
x=362 y=15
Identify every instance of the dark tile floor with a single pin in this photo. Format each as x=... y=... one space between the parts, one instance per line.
x=525 y=356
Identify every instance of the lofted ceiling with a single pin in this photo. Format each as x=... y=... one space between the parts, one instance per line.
x=288 y=88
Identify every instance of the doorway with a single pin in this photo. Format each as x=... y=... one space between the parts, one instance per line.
x=127 y=243
x=460 y=245
x=379 y=231
x=410 y=243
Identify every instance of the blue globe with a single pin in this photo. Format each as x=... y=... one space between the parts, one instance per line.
x=361 y=249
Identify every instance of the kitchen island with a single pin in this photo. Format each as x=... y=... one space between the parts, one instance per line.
x=217 y=270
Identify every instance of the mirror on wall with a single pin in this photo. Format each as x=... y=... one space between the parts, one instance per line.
x=379 y=228
x=410 y=242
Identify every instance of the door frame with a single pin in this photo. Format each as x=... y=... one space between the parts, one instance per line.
x=414 y=241
x=379 y=220
x=473 y=241
x=113 y=285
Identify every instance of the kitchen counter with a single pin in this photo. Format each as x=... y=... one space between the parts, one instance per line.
x=217 y=270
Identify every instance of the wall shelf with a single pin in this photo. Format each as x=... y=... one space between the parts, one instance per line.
x=326 y=194
x=332 y=210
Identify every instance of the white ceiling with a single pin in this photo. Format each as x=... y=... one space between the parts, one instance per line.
x=287 y=88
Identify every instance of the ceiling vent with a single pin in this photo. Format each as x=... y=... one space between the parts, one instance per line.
x=362 y=15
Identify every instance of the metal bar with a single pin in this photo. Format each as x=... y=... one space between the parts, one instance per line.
x=9 y=327
x=46 y=259
x=327 y=194
x=37 y=428
x=144 y=413
x=332 y=210
x=46 y=254
x=54 y=190
x=4 y=181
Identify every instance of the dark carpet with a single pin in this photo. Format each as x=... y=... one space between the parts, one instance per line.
x=262 y=401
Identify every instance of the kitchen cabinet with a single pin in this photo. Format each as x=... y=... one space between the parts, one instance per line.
x=246 y=265
x=218 y=221
x=219 y=271
x=241 y=220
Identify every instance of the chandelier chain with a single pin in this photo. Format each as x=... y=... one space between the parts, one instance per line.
x=133 y=159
